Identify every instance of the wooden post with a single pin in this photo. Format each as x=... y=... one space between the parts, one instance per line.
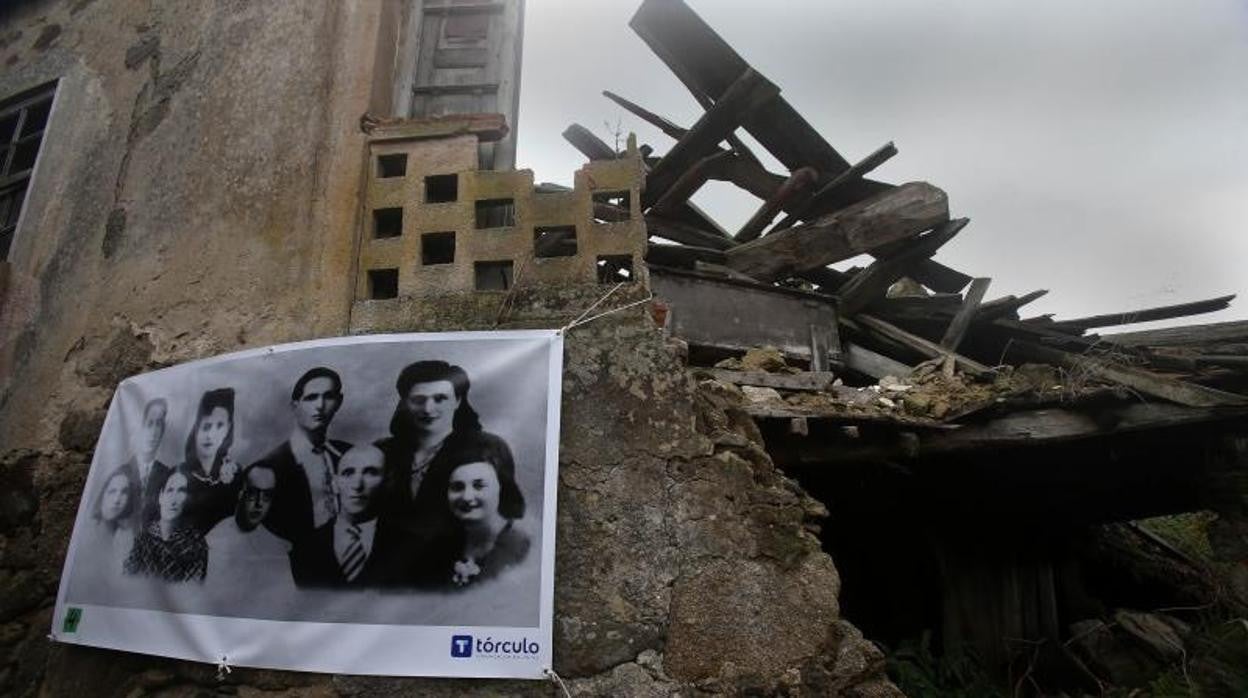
x=961 y=321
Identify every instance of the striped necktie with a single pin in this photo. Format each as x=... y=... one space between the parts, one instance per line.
x=352 y=562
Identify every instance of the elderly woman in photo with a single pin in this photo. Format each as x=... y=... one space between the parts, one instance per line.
x=432 y=419
x=483 y=508
x=170 y=548
x=212 y=475
x=111 y=537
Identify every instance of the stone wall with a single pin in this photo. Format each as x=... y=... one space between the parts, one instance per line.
x=199 y=191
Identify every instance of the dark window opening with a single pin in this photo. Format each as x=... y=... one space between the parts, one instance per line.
x=554 y=241
x=615 y=268
x=611 y=206
x=493 y=276
x=437 y=248
x=387 y=222
x=496 y=213
x=440 y=189
x=383 y=284
x=392 y=165
x=23 y=119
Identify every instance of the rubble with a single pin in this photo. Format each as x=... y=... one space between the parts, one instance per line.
x=900 y=311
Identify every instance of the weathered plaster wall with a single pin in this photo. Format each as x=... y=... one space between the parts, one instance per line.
x=189 y=189
x=198 y=193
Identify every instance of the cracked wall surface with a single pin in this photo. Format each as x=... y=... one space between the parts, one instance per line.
x=199 y=192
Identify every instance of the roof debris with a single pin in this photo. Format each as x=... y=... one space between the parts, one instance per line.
x=921 y=341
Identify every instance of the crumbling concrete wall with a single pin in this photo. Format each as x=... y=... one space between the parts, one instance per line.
x=199 y=192
x=418 y=212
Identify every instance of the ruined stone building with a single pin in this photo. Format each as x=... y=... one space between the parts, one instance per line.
x=185 y=179
x=180 y=180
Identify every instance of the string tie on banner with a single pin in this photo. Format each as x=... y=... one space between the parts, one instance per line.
x=223 y=668
x=558 y=681
x=581 y=319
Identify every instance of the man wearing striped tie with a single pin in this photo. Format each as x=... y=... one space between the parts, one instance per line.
x=352 y=550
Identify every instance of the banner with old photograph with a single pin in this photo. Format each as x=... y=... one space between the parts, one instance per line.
x=367 y=505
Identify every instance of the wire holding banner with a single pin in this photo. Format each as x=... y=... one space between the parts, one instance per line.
x=581 y=319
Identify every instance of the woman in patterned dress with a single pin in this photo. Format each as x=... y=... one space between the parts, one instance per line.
x=170 y=548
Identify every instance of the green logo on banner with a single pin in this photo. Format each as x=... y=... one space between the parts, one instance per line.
x=72 y=616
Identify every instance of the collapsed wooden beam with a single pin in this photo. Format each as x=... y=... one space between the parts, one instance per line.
x=1005 y=305
x=685 y=234
x=899 y=214
x=957 y=328
x=707 y=66
x=1189 y=394
x=689 y=182
x=834 y=190
x=870 y=284
x=1164 y=312
x=796 y=185
x=667 y=127
x=749 y=176
x=939 y=277
x=931 y=350
x=747 y=93
x=591 y=146
x=682 y=256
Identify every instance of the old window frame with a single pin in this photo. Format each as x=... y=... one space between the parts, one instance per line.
x=15 y=184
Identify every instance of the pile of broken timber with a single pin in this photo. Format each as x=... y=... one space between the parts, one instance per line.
x=826 y=210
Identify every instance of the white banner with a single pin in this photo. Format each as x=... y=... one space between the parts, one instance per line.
x=380 y=504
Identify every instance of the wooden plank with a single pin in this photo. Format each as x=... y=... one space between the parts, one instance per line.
x=682 y=256
x=835 y=189
x=870 y=284
x=957 y=329
x=687 y=184
x=918 y=344
x=667 y=127
x=896 y=215
x=749 y=176
x=1005 y=305
x=797 y=184
x=1190 y=335
x=939 y=277
x=1052 y=425
x=747 y=93
x=591 y=146
x=707 y=66
x=1164 y=312
x=1189 y=394
x=869 y=363
x=658 y=226
x=808 y=381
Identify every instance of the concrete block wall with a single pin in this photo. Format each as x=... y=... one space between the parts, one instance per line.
x=477 y=240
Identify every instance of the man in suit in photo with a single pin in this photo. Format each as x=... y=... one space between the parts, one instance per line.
x=353 y=550
x=145 y=472
x=305 y=463
x=245 y=559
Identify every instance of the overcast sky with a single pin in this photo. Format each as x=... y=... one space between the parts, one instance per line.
x=1100 y=149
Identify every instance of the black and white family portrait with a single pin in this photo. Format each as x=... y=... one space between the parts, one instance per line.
x=287 y=485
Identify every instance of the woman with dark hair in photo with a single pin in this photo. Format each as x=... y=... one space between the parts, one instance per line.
x=432 y=419
x=212 y=475
x=170 y=548
x=111 y=537
x=483 y=511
